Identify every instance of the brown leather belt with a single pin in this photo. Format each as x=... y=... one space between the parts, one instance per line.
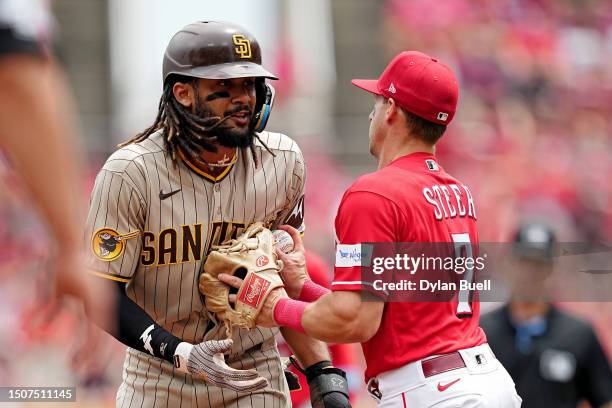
x=442 y=364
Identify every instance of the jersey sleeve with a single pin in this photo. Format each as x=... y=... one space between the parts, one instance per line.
x=114 y=226
x=293 y=213
x=362 y=217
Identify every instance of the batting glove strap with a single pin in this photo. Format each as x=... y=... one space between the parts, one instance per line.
x=328 y=387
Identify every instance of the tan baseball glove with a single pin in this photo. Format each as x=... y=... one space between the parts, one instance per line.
x=250 y=256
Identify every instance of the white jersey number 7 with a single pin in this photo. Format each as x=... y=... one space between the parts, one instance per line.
x=463 y=248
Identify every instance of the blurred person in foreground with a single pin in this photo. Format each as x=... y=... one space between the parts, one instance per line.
x=38 y=135
x=555 y=359
x=418 y=354
x=200 y=175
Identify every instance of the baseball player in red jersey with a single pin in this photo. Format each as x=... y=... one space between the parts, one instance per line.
x=417 y=354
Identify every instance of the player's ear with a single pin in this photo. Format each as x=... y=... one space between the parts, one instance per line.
x=392 y=110
x=183 y=93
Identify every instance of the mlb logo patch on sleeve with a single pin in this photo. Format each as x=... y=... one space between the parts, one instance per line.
x=432 y=165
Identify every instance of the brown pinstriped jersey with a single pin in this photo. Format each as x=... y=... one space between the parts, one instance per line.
x=151 y=224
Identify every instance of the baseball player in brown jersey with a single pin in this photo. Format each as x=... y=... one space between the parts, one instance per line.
x=202 y=173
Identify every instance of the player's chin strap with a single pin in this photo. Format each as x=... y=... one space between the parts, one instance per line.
x=328 y=384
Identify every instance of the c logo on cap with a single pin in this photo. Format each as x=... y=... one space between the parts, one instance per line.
x=243 y=46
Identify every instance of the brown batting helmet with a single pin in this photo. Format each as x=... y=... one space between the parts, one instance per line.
x=214 y=50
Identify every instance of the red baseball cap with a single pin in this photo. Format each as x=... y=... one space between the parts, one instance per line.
x=418 y=83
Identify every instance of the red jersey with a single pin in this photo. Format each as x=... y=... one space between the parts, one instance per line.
x=411 y=200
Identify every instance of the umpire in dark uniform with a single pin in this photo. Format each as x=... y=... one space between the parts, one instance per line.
x=554 y=358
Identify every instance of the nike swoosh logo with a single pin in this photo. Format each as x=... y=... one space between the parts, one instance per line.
x=445 y=386
x=163 y=196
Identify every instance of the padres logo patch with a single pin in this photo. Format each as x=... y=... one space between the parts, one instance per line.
x=243 y=46
x=107 y=244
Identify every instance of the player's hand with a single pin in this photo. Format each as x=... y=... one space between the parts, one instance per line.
x=294 y=272
x=265 y=318
x=72 y=280
x=92 y=351
x=68 y=280
x=206 y=361
x=68 y=288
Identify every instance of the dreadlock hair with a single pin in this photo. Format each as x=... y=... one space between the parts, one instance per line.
x=183 y=129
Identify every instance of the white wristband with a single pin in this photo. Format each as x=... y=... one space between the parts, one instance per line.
x=181 y=356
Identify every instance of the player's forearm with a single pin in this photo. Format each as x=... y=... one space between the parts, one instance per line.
x=136 y=329
x=38 y=133
x=308 y=350
x=338 y=317
x=330 y=321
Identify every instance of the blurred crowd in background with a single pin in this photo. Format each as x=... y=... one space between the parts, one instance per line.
x=532 y=137
x=533 y=131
